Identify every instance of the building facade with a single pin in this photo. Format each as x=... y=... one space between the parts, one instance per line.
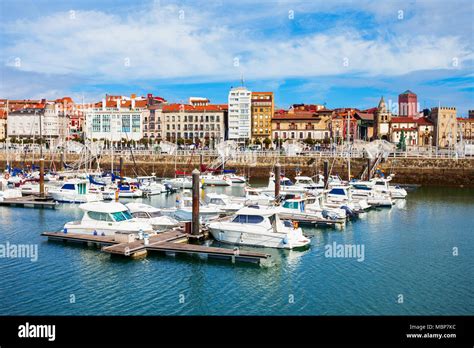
x=407 y=104
x=185 y=123
x=300 y=125
x=406 y=126
x=3 y=124
x=116 y=119
x=263 y=108
x=24 y=123
x=239 y=127
x=466 y=129
x=445 y=126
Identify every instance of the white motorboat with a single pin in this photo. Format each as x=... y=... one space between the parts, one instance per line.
x=152 y=215
x=257 y=196
x=296 y=209
x=383 y=185
x=308 y=183
x=339 y=196
x=237 y=179
x=75 y=191
x=216 y=180
x=183 y=210
x=129 y=190
x=102 y=218
x=225 y=203
x=179 y=182
x=286 y=185
x=258 y=227
x=7 y=192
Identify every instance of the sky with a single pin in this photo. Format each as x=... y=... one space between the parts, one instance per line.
x=339 y=53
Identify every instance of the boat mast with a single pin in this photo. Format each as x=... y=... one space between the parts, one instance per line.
x=348 y=148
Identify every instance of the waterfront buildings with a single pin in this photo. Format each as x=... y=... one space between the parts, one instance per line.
x=116 y=118
x=445 y=126
x=338 y=124
x=239 y=115
x=263 y=108
x=407 y=104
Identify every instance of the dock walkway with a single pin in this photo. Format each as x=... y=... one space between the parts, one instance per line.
x=171 y=242
x=29 y=202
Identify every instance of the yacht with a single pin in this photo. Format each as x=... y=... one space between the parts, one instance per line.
x=339 y=196
x=150 y=186
x=216 y=180
x=75 y=191
x=152 y=215
x=129 y=190
x=225 y=203
x=376 y=198
x=308 y=183
x=296 y=209
x=180 y=182
x=237 y=179
x=258 y=227
x=105 y=219
x=382 y=184
x=7 y=192
x=184 y=210
x=257 y=196
x=286 y=185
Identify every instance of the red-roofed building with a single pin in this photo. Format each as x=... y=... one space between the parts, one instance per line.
x=418 y=131
x=3 y=124
x=407 y=104
x=300 y=123
x=201 y=123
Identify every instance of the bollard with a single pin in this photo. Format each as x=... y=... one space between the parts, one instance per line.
x=195 y=213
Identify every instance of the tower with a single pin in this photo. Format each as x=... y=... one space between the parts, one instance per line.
x=382 y=119
x=407 y=104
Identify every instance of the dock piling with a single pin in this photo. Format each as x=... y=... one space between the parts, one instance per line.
x=42 y=177
x=195 y=214
x=277 y=179
x=326 y=173
x=121 y=166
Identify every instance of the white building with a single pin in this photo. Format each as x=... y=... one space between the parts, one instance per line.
x=239 y=117
x=116 y=118
x=24 y=122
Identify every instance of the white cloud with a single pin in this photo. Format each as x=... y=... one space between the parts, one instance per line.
x=156 y=44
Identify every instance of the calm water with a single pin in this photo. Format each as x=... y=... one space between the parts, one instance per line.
x=408 y=251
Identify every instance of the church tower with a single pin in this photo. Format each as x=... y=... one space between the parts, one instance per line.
x=382 y=120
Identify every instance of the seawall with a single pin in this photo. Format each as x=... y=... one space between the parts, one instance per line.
x=426 y=172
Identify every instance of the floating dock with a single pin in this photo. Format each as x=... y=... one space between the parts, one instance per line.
x=30 y=201
x=171 y=242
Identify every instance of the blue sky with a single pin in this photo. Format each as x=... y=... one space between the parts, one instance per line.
x=343 y=53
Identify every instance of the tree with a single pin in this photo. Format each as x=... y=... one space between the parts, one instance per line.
x=402 y=143
x=267 y=142
x=309 y=141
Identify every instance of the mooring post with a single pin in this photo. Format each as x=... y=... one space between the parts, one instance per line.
x=62 y=160
x=41 y=177
x=326 y=173
x=195 y=220
x=200 y=161
x=277 y=179
x=121 y=167
x=368 y=168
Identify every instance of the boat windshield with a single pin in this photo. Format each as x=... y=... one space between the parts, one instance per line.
x=121 y=216
x=155 y=214
x=248 y=219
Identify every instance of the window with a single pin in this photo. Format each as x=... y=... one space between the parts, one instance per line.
x=99 y=216
x=121 y=216
x=126 y=123
x=96 y=123
x=140 y=215
x=136 y=123
x=248 y=219
x=106 y=123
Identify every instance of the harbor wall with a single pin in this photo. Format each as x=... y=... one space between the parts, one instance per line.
x=421 y=171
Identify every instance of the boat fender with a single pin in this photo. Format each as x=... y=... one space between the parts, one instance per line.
x=295 y=225
x=95 y=233
x=6 y=176
x=103 y=234
x=65 y=231
x=325 y=214
x=285 y=240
